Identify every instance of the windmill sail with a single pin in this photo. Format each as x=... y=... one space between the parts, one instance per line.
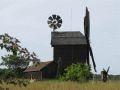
x=87 y=24
x=87 y=31
x=91 y=54
x=87 y=35
x=108 y=69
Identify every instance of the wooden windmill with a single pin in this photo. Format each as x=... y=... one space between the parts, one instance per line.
x=104 y=74
x=87 y=35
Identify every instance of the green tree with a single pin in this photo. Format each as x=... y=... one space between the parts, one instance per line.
x=17 y=59
x=77 y=72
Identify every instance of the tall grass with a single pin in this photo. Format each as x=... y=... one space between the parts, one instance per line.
x=60 y=85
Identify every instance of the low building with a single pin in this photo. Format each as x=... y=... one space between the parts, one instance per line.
x=41 y=71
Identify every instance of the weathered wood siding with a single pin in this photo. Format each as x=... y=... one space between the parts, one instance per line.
x=70 y=54
x=49 y=71
x=37 y=75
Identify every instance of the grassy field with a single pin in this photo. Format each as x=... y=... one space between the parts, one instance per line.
x=58 y=85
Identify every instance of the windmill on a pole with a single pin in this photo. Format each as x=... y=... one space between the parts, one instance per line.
x=54 y=22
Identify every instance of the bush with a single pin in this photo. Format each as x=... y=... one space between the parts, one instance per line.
x=77 y=72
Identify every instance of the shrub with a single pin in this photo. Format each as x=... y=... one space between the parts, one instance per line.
x=77 y=72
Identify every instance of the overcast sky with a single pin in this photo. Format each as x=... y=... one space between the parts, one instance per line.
x=27 y=21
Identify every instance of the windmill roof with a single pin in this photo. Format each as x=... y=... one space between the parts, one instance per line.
x=38 y=67
x=67 y=38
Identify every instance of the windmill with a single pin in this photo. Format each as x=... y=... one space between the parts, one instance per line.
x=104 y=74
x=54 y=22
x=87 y=35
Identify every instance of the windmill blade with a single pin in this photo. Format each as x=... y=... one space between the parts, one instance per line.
x=60 y=21
x=54 y=16
x=50 y=18
x=92 y=57
x=88 y=46
x=87 y=24
x=49 y=22
x=108 y=69
x=55 y=27
x=87 y=35
x=58 y=17
x=51 y=25
x=104 y=70
x=58 y=25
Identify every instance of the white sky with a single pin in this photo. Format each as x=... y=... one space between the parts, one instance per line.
x=27 y=21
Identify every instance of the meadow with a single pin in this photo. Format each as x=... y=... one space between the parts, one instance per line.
x=67 y=85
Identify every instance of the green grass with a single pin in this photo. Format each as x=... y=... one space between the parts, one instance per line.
x=68 y=85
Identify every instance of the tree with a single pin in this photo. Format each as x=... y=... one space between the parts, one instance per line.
x=17 y=59
x=77 y=72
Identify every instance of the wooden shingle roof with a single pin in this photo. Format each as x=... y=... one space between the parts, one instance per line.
x=38 y=67
x=67 y=38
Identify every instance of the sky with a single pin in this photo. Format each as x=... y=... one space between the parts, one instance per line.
x=27 y=21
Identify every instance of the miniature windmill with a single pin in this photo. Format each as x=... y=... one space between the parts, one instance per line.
x=54 y=22
x=104 y=74
x=87 y=35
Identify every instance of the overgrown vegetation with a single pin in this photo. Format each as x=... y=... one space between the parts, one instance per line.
x=67 y=85
x=77 y=72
